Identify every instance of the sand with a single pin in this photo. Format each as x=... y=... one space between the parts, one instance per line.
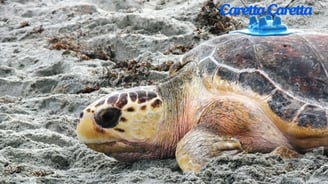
x=58 y=56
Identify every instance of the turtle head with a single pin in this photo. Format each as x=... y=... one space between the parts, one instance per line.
x=123 y=124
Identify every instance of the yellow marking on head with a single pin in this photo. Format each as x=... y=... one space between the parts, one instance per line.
x=141 y=124
x=134 y=124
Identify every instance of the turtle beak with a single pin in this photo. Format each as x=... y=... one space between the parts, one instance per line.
x=85 y=127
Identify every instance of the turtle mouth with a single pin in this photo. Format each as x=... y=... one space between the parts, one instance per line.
x=123 y=150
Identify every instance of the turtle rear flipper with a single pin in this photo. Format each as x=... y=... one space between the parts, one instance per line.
x=199 y=145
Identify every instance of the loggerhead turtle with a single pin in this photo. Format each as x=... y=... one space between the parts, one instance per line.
x=233 y=93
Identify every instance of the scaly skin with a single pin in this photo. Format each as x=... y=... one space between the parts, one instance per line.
x=145 y=133
x=209 y=107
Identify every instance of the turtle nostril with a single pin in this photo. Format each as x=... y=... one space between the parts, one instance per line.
x=81 y=114
x=108 y=118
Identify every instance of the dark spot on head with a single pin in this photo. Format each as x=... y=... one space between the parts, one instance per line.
x=133 y=96
x=119 y=130
x=156 y=103
x=100 y=103
x=151 y=95
x=144 y=107
x=130 y=109
x=112 y=99
x=123 y=100
x=108 y=118
x=88 y=110
x=92 y=111
x=123 y=119
x=81 y=115
x=142 y=96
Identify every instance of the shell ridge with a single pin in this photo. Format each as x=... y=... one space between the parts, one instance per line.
x=254 y=50
x=299 y=111
x=286 y=92
x=263 y=73
x=314 y=50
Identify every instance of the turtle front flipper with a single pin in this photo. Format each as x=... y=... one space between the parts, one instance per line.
x=199 y=145
x=228 y=125
x=285 y=152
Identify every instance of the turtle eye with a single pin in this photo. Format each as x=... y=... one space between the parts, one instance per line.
x=108 y=118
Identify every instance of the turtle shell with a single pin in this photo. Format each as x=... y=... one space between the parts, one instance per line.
x=290 y=70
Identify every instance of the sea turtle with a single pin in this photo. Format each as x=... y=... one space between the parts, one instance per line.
x=234 y=93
